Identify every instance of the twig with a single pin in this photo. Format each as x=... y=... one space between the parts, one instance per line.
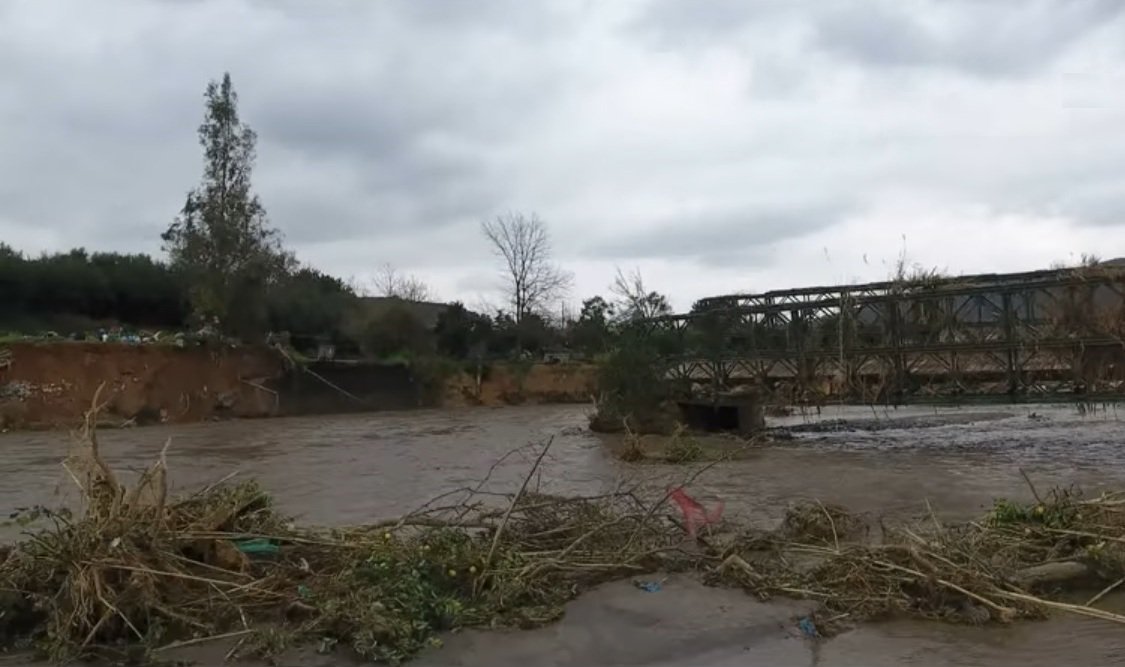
x=159 y=573
x=89 y=435
x=933 y=517
x=111 y=607
x=698 y=538
x=330 y=384
x=593 y=531
x=73 y=477
x=469 y=491
x=428 y=522
x=1006 y=612
x=802 y=592
x=201 y=640
x=740 y=562
x=1084 y=533
x=1031 y=486
x=234 y=649
x=555 y=502
x=257 y=386
x=515 y=499
x=214 y=534
x=208 y=566
x=205 y=490
x=831 y=523
x=1063 y=606
x=1105 y=591
x=97 y=626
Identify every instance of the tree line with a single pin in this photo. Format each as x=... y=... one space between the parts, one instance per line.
x=76 y=292
x=227 y=269
x=81 y=290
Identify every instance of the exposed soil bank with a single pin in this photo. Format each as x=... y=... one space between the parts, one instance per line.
x=515 y=384
x=50 y=385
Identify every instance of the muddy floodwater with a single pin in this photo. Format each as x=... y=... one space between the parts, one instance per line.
x=884 y=462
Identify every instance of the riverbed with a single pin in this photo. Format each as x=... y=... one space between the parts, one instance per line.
x=883 y=462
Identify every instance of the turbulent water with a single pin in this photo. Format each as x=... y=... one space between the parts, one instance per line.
x=358 y=468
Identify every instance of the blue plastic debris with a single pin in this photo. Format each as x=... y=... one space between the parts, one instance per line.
x=648 y=586
x=808 y=627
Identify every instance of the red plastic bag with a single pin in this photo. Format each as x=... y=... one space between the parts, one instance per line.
x=695 y=515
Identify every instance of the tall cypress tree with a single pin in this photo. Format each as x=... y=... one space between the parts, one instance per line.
x=222 y=240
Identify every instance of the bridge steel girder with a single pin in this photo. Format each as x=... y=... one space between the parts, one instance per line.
x=1044 y=335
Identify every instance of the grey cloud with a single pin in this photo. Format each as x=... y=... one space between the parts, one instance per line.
x=407 y=98
x=531 y=19
x=388 y=130
x=673 y=23
x=415 y=125
x=1100 y=204
x=541 y=19
x=983 y=38
x=333 y=124
x=411 y=117
x=989 y=38
x=1074 y=175
x=725 y=238
x=417 y=198
x=478 y=282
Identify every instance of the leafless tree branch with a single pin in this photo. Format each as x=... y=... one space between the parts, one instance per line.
x=531 y=279
x=635 y=301
x=389 y=282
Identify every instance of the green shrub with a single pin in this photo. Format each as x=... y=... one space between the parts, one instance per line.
x=631 y=384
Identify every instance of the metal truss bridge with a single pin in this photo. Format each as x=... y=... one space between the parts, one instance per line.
x=1037 y=336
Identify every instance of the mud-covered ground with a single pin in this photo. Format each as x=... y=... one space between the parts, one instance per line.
x=359 y=468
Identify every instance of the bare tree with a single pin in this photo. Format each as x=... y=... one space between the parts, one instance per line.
x=634 y=300
x=531 y=279
x=389 y=282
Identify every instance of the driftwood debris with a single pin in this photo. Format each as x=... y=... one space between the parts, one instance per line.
x=1052 y=573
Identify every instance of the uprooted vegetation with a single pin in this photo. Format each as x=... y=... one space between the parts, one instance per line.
x=680 y=447
x=992 y=569
x=136 y=572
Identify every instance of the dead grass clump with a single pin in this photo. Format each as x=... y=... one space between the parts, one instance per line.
x=683 y=447
x=821 y=524
x=631 y=450
x=134 y=567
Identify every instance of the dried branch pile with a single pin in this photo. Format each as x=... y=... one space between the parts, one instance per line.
x=137 y=572
x=994 y=569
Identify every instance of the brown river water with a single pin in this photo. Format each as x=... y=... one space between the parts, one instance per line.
x=359 y=468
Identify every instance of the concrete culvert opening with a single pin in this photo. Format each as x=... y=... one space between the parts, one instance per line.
x=743 y=415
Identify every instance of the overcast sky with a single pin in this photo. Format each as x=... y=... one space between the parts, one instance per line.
x=719 y=146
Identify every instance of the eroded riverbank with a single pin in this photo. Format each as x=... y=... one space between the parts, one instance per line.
x=364 y=467
x=46 y=385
